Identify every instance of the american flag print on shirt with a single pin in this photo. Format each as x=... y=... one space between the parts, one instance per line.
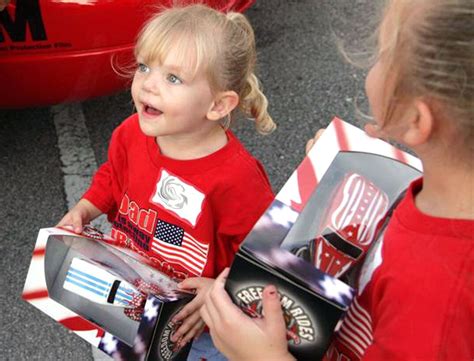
x=175 y=245
x=354 y=336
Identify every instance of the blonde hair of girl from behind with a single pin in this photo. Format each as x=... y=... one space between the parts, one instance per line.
x=425 y=95
x=224 y=46
x=428 y=54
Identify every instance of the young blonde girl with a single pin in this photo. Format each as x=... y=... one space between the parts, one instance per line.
x=178 y=186
x=415 y=297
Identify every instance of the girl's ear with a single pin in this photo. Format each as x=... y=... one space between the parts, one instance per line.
x=223 y=104
x=420 y=125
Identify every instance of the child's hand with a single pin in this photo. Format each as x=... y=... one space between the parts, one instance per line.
x=79 y=215
x=310 y=143
x=375 y=131
x=192 y=323
x=240 y=337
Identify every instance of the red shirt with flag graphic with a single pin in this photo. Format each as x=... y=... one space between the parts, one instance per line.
x=415 y=294
x=187 y=216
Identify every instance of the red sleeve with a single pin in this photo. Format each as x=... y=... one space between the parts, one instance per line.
x=100 y=192
x=427 y=314
x=242 y=206
x=107 y=184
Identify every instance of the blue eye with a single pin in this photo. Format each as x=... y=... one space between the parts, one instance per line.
x=142 y=68
x=173 y=79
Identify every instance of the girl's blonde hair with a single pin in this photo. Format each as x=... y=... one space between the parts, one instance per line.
x=429 y=53
x=222 y=45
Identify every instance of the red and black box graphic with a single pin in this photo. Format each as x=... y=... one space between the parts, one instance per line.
x=310 y=315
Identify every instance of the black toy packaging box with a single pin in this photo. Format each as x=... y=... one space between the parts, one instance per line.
x=312 y=238
x=108 y=295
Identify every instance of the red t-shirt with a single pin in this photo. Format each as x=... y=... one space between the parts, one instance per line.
x=188 y=216
x=416 y=292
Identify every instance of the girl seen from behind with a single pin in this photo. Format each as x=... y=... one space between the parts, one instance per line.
x=415 y=296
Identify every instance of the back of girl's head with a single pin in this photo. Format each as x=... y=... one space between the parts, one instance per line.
x=428 y=52
x=221 y=45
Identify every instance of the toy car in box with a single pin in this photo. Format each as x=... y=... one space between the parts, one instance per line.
x=106 y=294
x=317 y=231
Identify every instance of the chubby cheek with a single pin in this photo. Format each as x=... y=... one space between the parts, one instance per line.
x=375 y=92
x=134 y=90
x=369 y=91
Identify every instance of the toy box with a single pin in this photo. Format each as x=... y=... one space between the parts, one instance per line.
x=106 y=294
x=316 y=232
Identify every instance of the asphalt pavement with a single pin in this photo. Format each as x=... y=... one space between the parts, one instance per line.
x=307 y=83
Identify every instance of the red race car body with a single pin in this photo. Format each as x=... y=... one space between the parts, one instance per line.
x=353 y=221
x=52 y=51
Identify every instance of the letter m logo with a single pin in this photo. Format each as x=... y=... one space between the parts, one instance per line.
x=27 y=12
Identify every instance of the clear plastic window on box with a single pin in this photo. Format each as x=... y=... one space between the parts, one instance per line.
x=74 y=264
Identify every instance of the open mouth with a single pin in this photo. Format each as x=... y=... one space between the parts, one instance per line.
x=149 y=110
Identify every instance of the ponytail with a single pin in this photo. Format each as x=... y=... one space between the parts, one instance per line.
x=240 y=64
x=254 y=103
